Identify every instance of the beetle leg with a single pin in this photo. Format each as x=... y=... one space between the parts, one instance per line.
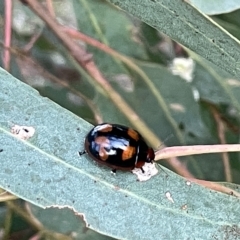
x=114 y=171
x=82 y=152
x=142 y=170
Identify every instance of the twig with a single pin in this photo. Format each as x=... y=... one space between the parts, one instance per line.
x=85 y=60
x=221 y=136
x=7 y=34
x=194 y=150
x=215 y=186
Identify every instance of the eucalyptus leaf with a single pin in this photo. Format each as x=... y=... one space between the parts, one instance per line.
x=217 y=6
x=186 y=25
x=101 y=20
x=65 y=222
x=47 y=171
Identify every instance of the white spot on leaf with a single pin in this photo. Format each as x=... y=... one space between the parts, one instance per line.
x=177 y=107
x=233 y=82
x=184 y=207
x=22 y=132
x=196 y=94
x=124 y=81
x=150 y=170
x=169 y=196
x=188 y=183
x=75 y=99
x=183 y=67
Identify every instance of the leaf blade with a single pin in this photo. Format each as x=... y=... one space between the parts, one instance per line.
x=47 y=171
x=186 y=25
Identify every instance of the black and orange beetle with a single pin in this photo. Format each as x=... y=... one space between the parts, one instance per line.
x=118 y=147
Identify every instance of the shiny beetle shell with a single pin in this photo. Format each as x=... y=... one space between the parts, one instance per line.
x=118 y=147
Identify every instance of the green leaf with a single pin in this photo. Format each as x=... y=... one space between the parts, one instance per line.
x=65 y=222
x=186 y=25
x=216 y=7
x=215 y=85
x=100 y=20
x=47 y=171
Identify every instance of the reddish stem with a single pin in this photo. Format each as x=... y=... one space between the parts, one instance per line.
x=7 y=34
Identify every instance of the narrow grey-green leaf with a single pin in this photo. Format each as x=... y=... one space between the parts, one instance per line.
x=216 y=7
x=100 y=20
x=65 y=222
x=186 y=25
x=47 y=171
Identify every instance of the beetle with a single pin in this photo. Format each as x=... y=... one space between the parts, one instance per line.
x=118 y=147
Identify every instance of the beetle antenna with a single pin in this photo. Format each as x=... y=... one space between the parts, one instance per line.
x=164 y=141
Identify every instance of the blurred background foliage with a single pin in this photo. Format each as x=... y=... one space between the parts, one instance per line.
x=182 y=98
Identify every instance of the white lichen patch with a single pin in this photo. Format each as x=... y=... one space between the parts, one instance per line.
x=188 y=183
x=233 y=82
x=183 y=67
x=196 y=94
x=22 y=132
x=124 y=81
x=184 y=207
x=149 y=169
x=169 y=196
x=177 y=107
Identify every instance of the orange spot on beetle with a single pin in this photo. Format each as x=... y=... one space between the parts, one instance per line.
x=133 y=134
x=128 y=153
